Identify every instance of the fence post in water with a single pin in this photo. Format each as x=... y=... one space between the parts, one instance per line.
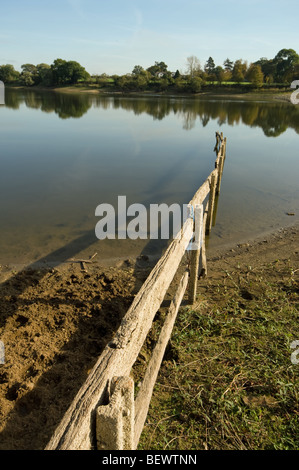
x=220 y=166
x=211 y=203
x=115 y=421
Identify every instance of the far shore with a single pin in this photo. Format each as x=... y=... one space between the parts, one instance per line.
x=217 y=93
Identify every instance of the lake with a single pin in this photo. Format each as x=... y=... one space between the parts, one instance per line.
x=64 y=154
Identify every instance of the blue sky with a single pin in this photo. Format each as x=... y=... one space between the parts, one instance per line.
x=113 y=36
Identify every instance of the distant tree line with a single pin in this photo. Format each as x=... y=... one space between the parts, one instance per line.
x=281 y=70
x=61 y=72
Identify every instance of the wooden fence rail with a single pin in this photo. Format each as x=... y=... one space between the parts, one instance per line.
x=104 y=414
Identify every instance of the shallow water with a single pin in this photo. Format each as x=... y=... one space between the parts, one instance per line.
x=64 y=154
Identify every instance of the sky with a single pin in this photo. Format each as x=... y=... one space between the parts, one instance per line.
x=112 y=36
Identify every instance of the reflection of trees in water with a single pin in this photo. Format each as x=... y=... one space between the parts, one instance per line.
x=273 y=118
x=64 y=105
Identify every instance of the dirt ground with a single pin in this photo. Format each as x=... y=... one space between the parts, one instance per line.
x=55 y=322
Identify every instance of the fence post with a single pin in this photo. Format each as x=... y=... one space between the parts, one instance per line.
x=195 y=253
x=220 y=167
x=115 y=421
x=203 y=266
x=143 y=398
x=211 y=204
x=2 y=92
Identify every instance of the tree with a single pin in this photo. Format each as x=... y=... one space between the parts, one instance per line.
x=75 y=72
x=268 y=68
x=193 y=66
x=210 y=66
x=68 y=72
x=58 y=72
x=228 y=65
x=141 y=82
x=228 y=68
x=124 y=82
x=158 y=70
x=239 y=71
x=27 y=79
x=29 y=75
x=255 y=75
x=44 y=72
x=137 y=70
x=220 y=74
x=285 y=60
x=180 y=84
x=30 y=68
x=194 y=84
x=8 y=74
x=296 y=72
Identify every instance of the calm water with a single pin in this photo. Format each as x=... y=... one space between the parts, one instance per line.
x=62 y=155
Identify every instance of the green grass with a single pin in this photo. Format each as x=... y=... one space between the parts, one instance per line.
x=227 y=381
x=228 y=83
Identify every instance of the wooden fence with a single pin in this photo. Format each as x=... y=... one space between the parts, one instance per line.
x=105 y=415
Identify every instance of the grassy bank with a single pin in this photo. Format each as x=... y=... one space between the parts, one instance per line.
x=227 y=380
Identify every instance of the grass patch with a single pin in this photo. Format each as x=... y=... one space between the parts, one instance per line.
x=227 y=381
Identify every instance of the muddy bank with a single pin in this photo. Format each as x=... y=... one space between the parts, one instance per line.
x=54 y=324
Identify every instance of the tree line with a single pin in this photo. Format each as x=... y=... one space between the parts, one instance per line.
x=281 y=70
x=60 y=73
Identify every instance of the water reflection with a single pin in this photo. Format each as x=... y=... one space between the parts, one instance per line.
x=273 y=118
x=56 y=168
x=64 y=105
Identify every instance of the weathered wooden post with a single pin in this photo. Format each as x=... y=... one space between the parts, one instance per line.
x=211 y=203
x=203 y=257
x=144 y=395
x=115 y=421
x=221 y=165
x=218 y=142
x=195 y=252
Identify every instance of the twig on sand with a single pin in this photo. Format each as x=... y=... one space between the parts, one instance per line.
x=82 y=261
